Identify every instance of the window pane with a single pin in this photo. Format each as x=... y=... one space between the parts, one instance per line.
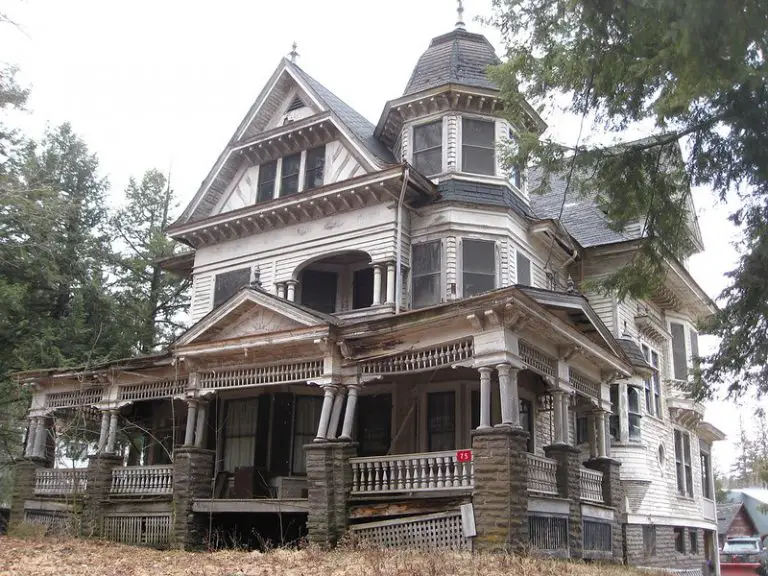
x=633 y=397
x=523 y=270
x=679 y=357
x=425 y=276
x=441 y=421
x=479 y=263
x=428 y=136
x=426 y=291
x=428 y=162
x=478 y=283
x=374 y=428
x=307 y=418
x=228 y=283
x=266 y=187
x=634 y=427
x=478 y=160
x=426 y=258
x=315 y=168
x=478 y=152
x=694 y=346
x=526 y=421
x=290 y=175
x=477 y=132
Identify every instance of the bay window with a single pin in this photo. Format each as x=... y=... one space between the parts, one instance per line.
x=428 y=148
x=683 y=469
x=478 y=150
x=426 y=272
x=479 y=266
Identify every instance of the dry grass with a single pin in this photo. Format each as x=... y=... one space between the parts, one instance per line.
x=67 y=557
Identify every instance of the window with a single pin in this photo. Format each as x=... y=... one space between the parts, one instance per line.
x=679 y=539
x=314 y=171
x=582 y=430
x=706 y=475
x=649 y=540
x=240 y=433
x=633 y=404
x=267 y=176
x=318 y=290
x=683 y=463
x=374 y=424
x=306 y=421
x=526 y=420
x=289 y=181
x=693 y=539
x=228 y=283
x=428 y=148
x=614 y=421
x=441 y=421
x=425 y=275
x=479 y=266
x=679 y=357
x=515 y=172
x=523 y=267
x=652 y=383
x=478 y=153
x=362 y=288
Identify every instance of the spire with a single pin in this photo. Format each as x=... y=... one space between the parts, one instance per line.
x=293 y=54
x=460 y=10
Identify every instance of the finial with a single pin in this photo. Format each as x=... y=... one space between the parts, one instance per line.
x=571 y=289
x=293 y=54
x=460 y=22
x=256 y=277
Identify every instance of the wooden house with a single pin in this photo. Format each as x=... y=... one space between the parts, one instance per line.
x=389 y=343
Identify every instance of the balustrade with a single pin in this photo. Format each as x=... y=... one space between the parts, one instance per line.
x=591 y=484
x=60 y=481
x=142 y=481
x=542 y=475
x=413 y=472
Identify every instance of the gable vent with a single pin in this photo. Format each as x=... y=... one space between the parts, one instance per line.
x=296 y=104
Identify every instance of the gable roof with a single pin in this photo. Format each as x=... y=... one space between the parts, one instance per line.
x=725 y=515
x=458 y=57
x=633 y=352
x=755 y=501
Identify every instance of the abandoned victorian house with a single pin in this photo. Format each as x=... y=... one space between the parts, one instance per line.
x=391 y=340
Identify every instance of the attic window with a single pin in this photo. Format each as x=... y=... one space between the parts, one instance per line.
x=296 y=104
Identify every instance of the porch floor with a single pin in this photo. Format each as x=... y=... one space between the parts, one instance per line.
x=252 y=505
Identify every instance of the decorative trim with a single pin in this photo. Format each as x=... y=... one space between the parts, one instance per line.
x=583 y=384
x=261 y=375
x=537 y=359
x=75 y=398
x=421 y=360
x=166 y=388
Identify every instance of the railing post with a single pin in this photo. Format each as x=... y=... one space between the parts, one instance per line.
x=192 y=479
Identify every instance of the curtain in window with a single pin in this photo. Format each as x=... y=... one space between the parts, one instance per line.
x=240 y=433
x=425 y=274
x=307 y=419
x=428 y=148
x=479 y=266
x=478 y=151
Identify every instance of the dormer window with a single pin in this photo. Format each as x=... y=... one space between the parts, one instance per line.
x=428 y=148
x=287 y=172
x=478 y=150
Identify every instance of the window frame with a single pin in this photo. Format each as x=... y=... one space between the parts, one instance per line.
x=614 y=419
x=441 y=146
x=693 y=541
x=230 y=436
x=679 y=362
x=307 y=170
x=438 y=273
x=649 y=540
x=679 y=537
x=653 y=382
x=683 y=463
x=520 y=254
x=495 y=268
x=275 y=180
x=634 y=417
x=301 y=174
x=298 y=399
x=463 y=145
x=705 y=458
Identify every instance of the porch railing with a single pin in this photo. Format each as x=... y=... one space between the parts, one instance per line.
x=60 y=481
x=591 y=483
x=142 y=481
x=412 y=472
x=542 y=475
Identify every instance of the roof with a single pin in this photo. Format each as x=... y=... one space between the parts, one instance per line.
x=725 y=515
x=355 y=122
x=459 y=190
x=633 y=352
x=755 y=501
x=458 y=57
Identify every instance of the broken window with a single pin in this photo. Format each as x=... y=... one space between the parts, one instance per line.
x=479 y=266
x=428 y=148
x=228 y=283
x=314 y=171
x=478 y=150
x=425 y=275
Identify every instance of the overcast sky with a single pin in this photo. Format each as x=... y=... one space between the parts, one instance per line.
x=164 y=84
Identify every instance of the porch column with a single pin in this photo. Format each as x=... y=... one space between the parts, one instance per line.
x=112 y=436
x=281 y=290
x=564 y=418
x=29 y=450
x=557 y=400
x=333 y=425
x=189 y=434
x=510 y=401
x=40 y=434
x=376 y=284
x=292 y=290
x=390 y=283
x=349 y=414
x=325 y=415
x=591 y=434
x=104 y=432
x=601 y=452
x=485 y=397
x=202 y=415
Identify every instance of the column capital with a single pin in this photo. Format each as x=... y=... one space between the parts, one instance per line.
x=485 y=369
x=290 y=283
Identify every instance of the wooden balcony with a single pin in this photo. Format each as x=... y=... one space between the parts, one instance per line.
x=542 y=475
x=591 y=485
x=60 y=481
x=142 y=481
x=425 y=472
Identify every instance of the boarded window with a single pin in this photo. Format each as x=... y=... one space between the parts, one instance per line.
x=428 y=148
x=289 y=181
x=228 y=283
x=479 y=264
x=267 y=177
x=314 y=172
x=441 y=421
x=679 y=357
x=478 y=153
x=425 y=277
x=523 y=265
x=318 y=290
x=307 y=419
x=374 y=424
x=240 y=428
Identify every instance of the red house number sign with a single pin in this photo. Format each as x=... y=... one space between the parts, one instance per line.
x=464 y=455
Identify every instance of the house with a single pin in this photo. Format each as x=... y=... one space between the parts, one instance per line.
x=389 y=341
x=745 y=514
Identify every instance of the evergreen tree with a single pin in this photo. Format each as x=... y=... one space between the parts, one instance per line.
x=696 y=70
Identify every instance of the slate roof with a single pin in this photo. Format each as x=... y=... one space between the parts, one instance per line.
x=485 y=194
x=355 y=122
x=581 y=216
x=458 y=57
x=633 y=352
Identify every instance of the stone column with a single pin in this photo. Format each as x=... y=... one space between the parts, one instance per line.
x=202 y=421
x=29 y=449
x=390 y=283
x=192 y=479
x=613 y=496
x=291 y=290
x=97 y=492
x=325 y=415
x=350 y=413
x=24 y=475
x=189 y=433
x=485 y=397
x=376 y=284
x=41 y=435
x=510 y=402
x=104 y=432
x=500 y=497
x=338 y=405
x=557 y=411
x=568 y=460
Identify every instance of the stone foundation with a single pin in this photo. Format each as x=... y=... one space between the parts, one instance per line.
x=500 y=497
x=329 y=479
x=97 y=494
x=568 y=460
x=192 y=478
x=23 y=488
x=665 y=555
x=613 y=496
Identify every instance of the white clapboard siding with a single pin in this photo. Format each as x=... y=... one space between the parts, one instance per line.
x=604 y=307
x=243 y=193
x=202 y=296
x=340 y=163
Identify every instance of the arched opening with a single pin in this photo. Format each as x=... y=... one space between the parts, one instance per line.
x=337 y=283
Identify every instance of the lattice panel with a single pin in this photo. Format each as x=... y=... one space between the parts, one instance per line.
x=153 y=390
x=428 y=532
x=597 y=536
x=583 y=384
x=537 y=359
x=548 y=532
x=149 y=530
x=262 y=375
x=73 y=398
x=54 y=522
x=416 y=361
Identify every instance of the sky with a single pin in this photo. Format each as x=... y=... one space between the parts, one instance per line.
x=163 y=84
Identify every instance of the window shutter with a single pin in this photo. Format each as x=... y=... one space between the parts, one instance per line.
x=679 y=358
